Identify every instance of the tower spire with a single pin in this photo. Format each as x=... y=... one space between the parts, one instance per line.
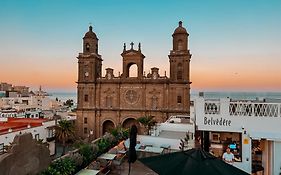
x=124 y=49
x=180 y=23
x=139 y=46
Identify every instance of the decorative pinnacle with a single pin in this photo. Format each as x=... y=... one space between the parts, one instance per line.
x=139 y=46
x=180 y=23
x=90 y=28
x=124 y=49
x=132 y=45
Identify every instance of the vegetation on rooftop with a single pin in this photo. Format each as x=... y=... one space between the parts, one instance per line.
x=64 y=132
x=147 y=121
x=85 y=153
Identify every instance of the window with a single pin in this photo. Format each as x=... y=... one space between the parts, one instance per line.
x=179 y=72
x=1 y=148
x=86 y=98
x=85 y=120
x=87 y=47
x=179 y=75
x=85 y=130
x=51 y=133
x=179 y=99
x=154 y=102
x=180 y=45
x=37 y=137
x=220 y=141
x=108 y=101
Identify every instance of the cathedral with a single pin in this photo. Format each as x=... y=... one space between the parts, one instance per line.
x=105 y=102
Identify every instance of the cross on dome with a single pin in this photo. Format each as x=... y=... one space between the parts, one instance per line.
x=132 y=45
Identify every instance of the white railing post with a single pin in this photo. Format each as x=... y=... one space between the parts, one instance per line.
x=224 y=106
x=199 y=110
x=200 y=106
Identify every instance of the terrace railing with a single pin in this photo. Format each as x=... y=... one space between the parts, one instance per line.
x=243 y=108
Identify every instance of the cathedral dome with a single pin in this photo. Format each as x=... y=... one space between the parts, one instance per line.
x=180 y=29
x=90 y=33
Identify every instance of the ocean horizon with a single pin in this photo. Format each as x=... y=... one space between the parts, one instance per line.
x=63 y=96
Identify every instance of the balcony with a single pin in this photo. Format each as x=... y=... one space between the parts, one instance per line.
x=237 y=116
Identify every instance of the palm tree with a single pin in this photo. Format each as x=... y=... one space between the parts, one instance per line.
x=64 y=131
x=147 y=121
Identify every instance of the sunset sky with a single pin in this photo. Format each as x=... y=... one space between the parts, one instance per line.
x=236 y=45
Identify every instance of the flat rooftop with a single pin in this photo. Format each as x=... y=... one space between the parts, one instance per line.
x=172 y=134
x=17 y=124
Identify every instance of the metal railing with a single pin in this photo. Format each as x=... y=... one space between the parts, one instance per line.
x=212 y=107
x=243 y=108
x=254 y=109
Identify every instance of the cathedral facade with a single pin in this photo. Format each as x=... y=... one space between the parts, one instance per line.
x=107 y=101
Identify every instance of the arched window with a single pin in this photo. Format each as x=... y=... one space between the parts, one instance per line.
x=133 y=70
x=180 y=45
x=87 y=47
x=179 y=72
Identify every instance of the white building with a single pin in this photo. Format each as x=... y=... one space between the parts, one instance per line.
x=250 y=128
x=39 y=128
x=28 y=107
x=170 y=133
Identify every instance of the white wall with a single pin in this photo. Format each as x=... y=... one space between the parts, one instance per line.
x=177 y=127
x=158 y=141
x=252 y=124
x=246 y=163
x=41 y=130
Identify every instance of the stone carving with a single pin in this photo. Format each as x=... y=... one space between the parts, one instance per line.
x=131 y=96
x=25 y=157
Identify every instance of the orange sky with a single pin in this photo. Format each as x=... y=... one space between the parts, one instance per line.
x=212 y=75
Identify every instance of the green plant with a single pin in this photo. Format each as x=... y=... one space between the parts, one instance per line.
x=147 y=121
x=68 y=103
x=120 y=133
x=64 y=166
x=64 y=131
x=87 y=152
x=78 y=160
x=103 y=145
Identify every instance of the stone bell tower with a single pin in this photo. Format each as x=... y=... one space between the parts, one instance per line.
x=131 y=57
x=180 y=55
x=179 y=69
x=89 y=70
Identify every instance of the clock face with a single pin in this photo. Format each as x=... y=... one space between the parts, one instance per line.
x=86 y=74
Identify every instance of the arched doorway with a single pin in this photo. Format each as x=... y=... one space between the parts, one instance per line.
x=129 y=122
x=107 y=126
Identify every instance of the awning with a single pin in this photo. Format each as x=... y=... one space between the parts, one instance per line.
x=265 y=135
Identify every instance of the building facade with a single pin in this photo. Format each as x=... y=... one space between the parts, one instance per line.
x=251 y=129
x=107 y=101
